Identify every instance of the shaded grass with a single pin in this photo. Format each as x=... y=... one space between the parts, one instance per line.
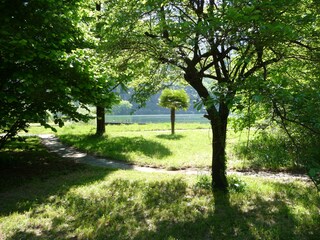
x=187 y=148
x=147 y=148
x=131 y=205
x=97 y=203
x=170 y=137
x=118 y=147
x=153 y=145
x=25 y=161
x=29 y=174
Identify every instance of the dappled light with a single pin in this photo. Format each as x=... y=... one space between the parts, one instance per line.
x=139 y=207
x=248 y=168
x=86 y=202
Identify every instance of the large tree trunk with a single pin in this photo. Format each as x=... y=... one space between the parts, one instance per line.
x=101 y=128
x=219 y=124
x=173 y=117
x=219 y=119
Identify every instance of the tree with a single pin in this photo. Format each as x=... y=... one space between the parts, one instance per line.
x=174 y=99
x=123 y=108
x=220 y=47
x=100 y=109
x=45 y=64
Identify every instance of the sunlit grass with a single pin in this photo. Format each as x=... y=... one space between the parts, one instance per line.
x=97 y=203
x=153 y=145
x=90 y=127
x=148 y=147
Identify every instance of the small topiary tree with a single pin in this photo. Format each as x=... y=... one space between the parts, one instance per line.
x=174 y=99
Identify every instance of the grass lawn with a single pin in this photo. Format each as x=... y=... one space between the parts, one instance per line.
x=82 y=202
x=22 y=162
x=153 y=145
x=150 y=144
x=152 y=148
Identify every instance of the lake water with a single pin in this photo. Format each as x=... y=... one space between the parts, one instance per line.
x=186 y=118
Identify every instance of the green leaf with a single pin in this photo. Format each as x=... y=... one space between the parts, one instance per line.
x=313 y=172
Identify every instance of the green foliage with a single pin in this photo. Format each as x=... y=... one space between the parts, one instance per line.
x=45 y=64
x=203 y=182
x=174 y=99
x=236 y=185
x=124 y=107
x=275 y=150
x=177 y=99
x=290 y=94
x=314 y=174
x=269 y=150
x=235 y=46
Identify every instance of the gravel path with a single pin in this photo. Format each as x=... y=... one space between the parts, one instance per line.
x=53 y=144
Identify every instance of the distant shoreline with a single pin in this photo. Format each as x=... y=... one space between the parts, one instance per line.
x=155 y=118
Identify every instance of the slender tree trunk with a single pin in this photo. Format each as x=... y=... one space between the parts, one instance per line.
x=101 y=127
x=173 y=118
x=219 y=133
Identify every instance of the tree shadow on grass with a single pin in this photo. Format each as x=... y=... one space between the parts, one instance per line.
x=165 y=212
x=18 y=168
x=118 y=148
x=114 y=215
x=266 y=219
x=29 y=176
x=170 y=136
x=37 y=191
x=210 y=222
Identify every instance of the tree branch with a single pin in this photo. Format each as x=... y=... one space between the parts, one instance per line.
x=284 y=118
x=261 y=65
x=304 y=45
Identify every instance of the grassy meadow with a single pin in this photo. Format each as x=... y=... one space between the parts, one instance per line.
x=153 y=145
x=45 y=197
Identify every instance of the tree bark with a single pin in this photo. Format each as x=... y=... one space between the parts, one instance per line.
x=218 y=117
x=173 y=118
x=219 y=133
x=101 y=127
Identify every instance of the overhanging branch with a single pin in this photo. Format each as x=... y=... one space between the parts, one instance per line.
x=261 y=65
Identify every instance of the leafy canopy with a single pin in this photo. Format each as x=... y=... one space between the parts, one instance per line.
x=46 y=64
x=176 y=99
x=227 y=50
